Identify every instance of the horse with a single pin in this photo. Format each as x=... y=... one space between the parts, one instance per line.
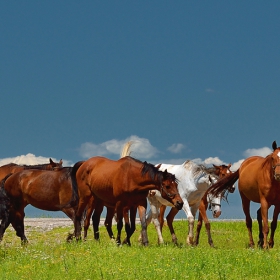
x=120 y=185
x=13 y=168
x=50 y=190
x=259 y=181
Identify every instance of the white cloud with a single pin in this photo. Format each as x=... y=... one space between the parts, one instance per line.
x=263 y=152
x=141 y=148
x=176 y=148
x=236 y=165
x=30 y=159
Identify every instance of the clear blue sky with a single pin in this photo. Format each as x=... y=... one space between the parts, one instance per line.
x=195 y=80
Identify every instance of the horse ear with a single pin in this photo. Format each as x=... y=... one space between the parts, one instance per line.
x=61 y=161
x=215 y=166
x=229 y=165
x=158 y=166
x=51 y=161
x=274 y=145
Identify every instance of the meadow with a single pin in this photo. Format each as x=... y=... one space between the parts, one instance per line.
x=49 y=256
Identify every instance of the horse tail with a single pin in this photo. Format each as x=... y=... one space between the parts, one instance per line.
x=224 y=184
x=4 y=199
x=126 y=149
x=75 y=194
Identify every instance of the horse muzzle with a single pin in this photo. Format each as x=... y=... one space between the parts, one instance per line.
x=179 y=205
x=217 y=214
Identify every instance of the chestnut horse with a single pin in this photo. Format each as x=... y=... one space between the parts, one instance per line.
x=120 y=185
x=13 y=168
x=44 y=189
x=221 y=171
x=259 y=181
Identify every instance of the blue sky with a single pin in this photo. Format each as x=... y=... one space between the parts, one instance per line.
x=190 y=80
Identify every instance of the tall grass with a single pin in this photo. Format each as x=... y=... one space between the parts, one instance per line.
x=49 y=256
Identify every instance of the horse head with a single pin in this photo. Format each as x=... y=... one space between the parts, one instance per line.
x=222 y=171
x=275 y=156
x=214 y=205
x=55 y=165
x=169 y=190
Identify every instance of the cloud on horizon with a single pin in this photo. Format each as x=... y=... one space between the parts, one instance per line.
x=263 y=152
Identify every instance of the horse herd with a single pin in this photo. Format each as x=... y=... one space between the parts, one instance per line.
x=124 y=186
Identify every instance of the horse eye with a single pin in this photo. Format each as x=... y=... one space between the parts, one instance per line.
x=168 y=187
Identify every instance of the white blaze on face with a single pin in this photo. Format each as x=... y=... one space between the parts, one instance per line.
x=278 y=154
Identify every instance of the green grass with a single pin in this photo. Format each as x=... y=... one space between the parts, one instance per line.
x=49 y=256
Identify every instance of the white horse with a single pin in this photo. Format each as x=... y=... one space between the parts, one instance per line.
x=193 y=182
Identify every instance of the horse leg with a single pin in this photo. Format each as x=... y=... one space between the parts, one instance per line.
x=119 y=211
x=190 y=217
x=274 y=225
x=259 y=218
x=246 y=210
x=87 y=215
x=202 y=216
x=161 y=216
x=108 y=221
x=18 y=224
x=127 y=226
x=148 y=221
x=169 y=218
x=70 y=212
x=83 y=202
x=264 y=211
x=142 y=215
x=154 y=205
x=96 y=218
x=5 y=222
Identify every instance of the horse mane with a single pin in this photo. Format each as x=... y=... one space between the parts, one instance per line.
x=155 y=172
x=37 y=166
x=9 y=165
x=267 y=161
x=198 y=168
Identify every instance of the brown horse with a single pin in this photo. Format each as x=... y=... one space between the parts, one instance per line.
x=221 y=171
x=13 y=168
x=120 y=185
x=259 y=181
x=44 y=189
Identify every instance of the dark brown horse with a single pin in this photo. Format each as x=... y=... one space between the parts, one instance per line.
x=13 y=168
x=221 y=171
x=44 y=189
x=121 y=185
x=259 y=181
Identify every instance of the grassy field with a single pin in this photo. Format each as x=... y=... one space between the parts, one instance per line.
x=48 y=256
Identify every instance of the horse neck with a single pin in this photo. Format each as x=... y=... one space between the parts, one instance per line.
x=267 y=165
x=39 y=166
